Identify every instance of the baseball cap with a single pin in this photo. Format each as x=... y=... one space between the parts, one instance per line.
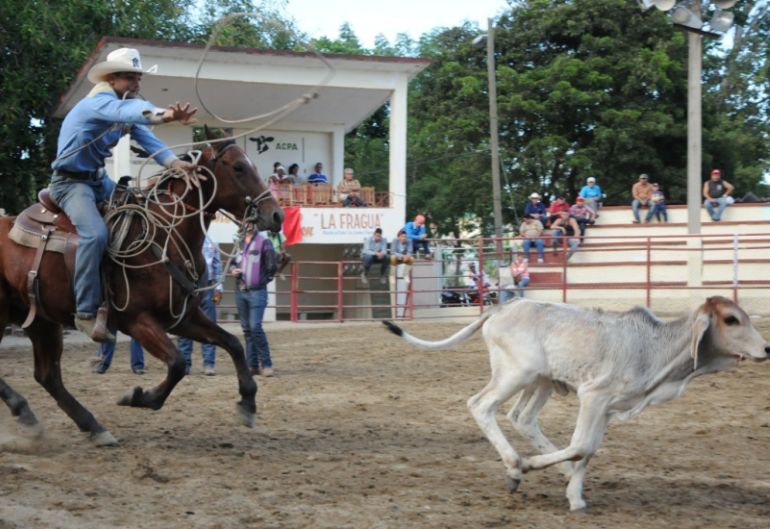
x=644 y=176
x=716 y=171
x=580 y=199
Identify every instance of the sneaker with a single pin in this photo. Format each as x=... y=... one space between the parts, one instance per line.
x=540 y=260
x=267 y=372
x=93 y=327
x=364 y=279
x=138 y=371
x=209 y=371
x=100 y=369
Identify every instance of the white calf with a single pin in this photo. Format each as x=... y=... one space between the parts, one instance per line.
x=617 y=363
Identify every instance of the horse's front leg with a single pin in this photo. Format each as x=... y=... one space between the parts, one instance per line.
x=148 y=331
x=200 y=328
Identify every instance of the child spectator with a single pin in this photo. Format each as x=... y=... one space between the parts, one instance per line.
x=401 y=254
x=659 y=203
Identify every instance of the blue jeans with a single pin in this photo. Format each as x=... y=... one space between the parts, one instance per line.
x=539 y=244
x=208 y=350
x=660 y=212
x=107 y=349
x=721 y=205
x=510 y=293
x=78 y=199
x=370 y=258
x=420 y=243
x=251 y=309
x=637 y=204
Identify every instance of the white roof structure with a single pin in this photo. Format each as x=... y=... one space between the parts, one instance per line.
x=236 y=83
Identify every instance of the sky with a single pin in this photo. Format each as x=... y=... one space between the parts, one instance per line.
x=368 y=18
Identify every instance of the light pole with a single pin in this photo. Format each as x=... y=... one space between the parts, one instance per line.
x=689 y=17
x=493 y=135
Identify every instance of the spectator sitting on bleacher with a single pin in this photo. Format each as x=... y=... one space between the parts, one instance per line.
x=558 y=205
x=375 y=251
x=565 y=227
x=582 y=214
x=592 y=194
x=349 y=190
x=401 y=253
x=642 y=192
x=318 y=177
x=659 y=203
x=417 y=234
x=716 y=192
x=293 y=174
x=531 y=230
x=536 y=208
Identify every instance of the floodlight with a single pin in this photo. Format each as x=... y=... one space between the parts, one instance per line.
x=725 y=4
x=685 y=17
x=664 y=5
x=722 y=21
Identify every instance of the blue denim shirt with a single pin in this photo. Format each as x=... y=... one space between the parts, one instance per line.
x=102 y=111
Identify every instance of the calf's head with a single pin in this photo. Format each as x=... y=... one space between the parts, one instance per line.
x=723 y=331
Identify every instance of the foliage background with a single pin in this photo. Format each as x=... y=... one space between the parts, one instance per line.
x=585 y=88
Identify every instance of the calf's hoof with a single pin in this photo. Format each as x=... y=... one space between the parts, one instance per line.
x=512 y=483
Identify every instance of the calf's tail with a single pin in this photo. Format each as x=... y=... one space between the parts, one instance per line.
x=458 y=337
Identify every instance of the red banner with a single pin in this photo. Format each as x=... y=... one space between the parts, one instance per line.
x=292 y=226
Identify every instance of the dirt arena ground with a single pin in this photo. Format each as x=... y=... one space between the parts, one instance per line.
x=359 y=431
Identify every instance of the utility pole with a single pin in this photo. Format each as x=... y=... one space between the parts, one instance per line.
x=493 y=140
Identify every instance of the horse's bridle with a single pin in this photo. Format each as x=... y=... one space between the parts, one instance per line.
x=251 y=215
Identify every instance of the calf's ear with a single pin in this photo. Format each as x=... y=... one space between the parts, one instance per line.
x=699 y=328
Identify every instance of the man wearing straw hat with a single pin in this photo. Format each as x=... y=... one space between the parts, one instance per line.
x=89 y=132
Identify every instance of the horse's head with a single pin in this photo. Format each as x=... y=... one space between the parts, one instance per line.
x=239 y=189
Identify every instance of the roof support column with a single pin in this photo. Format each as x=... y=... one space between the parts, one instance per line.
x=397 y=139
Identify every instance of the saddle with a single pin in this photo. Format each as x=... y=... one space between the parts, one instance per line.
x=45 y=227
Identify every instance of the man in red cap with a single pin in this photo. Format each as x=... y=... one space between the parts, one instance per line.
x=716 y=192
x=582 y=214
x=417 y=233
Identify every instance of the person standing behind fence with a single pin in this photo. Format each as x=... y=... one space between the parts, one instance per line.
x=401 y=252
x=210 y=298
x=104 y=354
x=253 y=268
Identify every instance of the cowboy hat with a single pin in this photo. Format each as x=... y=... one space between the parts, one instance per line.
x=535 y=195
x=120 y=60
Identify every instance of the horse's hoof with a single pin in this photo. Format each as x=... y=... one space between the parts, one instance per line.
x=132 y=398
x=512 y=484
x=104 y=438
x=32 y=431
x=248 y=419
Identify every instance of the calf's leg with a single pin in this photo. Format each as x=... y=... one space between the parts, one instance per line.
x=483 y=406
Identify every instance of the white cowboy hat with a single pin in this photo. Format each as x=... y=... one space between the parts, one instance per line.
x=120 y=60
x=534 y=195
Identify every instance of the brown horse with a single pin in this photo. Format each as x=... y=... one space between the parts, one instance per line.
x=150 y=295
